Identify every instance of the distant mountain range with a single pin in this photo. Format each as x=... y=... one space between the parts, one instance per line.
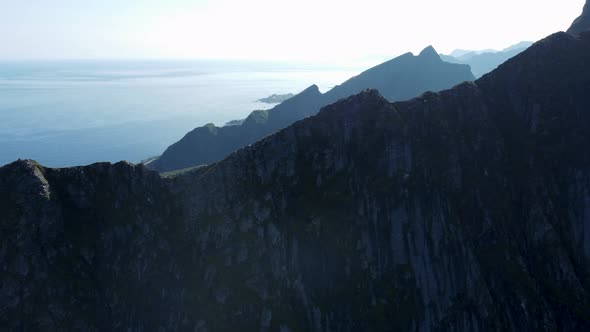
x=482 y=62
x=459 y=52
x=397 y=79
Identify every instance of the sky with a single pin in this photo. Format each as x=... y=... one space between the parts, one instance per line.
x=279 y=30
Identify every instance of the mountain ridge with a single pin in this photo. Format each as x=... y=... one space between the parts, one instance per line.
x=482 y=62
x=466 y=209
x=399 y=78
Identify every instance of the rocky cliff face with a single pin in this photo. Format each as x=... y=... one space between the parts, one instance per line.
x=463 y=210
x=398 y=79
x=86 y=248
x=582 y=23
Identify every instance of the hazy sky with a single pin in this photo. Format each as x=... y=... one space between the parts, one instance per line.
x=308 y=30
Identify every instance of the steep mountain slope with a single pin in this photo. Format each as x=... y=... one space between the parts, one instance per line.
x=463 y=210
x=210 y=143
x=482 y=63
x=404 y=77
x=82 y=248
x=582 y=23
x=400 y=78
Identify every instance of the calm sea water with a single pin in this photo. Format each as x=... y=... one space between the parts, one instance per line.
x=80 y=112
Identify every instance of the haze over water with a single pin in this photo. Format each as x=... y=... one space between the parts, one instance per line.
x=66 y=113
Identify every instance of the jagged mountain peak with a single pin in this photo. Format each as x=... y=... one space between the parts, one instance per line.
x=582 y=23
x=429 y=53
x=311 y=89
x=23 y=164
x=368 y=99
x=366 y=95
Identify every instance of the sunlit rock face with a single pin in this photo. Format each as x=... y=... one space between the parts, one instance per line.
x=463 y=210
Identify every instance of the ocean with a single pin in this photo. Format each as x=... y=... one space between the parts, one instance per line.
x=67 y=113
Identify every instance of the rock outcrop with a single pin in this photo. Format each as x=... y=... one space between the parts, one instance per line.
x=398 y=79
x=582 y=23
x=276 y=98
x=463 y=210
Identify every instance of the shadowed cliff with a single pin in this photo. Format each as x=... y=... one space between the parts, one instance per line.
x=463 y=210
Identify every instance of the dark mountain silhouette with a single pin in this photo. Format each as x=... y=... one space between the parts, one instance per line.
x=463 y=210
x=398 y=79
x=582 y=23
x=482 y=63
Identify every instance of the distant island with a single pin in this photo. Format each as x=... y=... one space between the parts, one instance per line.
x=276 y=99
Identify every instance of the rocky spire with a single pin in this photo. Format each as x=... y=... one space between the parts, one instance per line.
x=582 y=23
x=429 y=53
